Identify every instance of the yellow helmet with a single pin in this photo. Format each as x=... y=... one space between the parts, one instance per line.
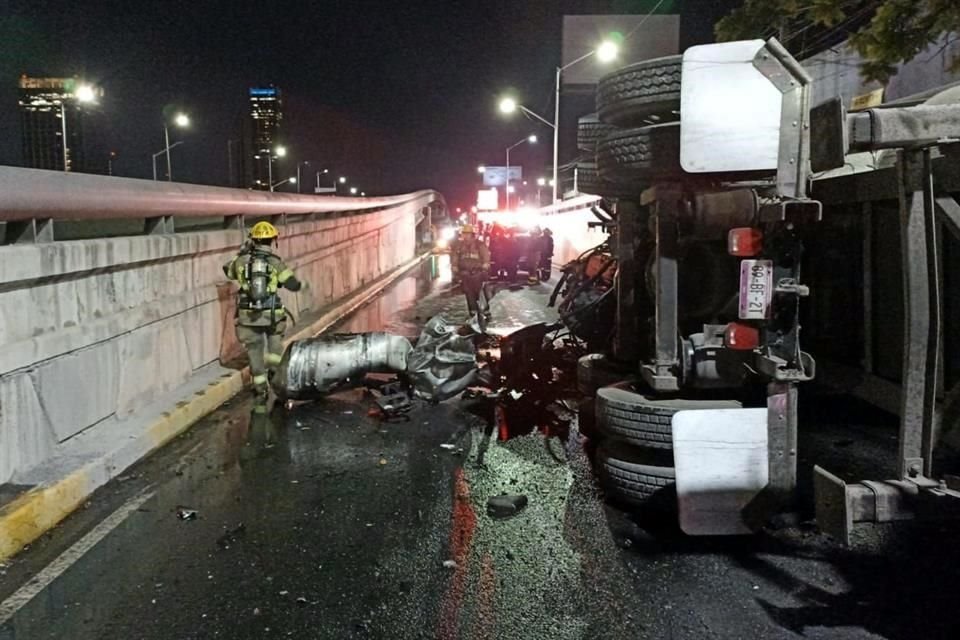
x=263 y=231
x=467 y=228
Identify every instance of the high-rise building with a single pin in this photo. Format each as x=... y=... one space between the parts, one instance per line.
x=266 y=113
x=52 y=122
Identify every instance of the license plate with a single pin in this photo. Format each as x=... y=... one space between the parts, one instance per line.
x=756 y=289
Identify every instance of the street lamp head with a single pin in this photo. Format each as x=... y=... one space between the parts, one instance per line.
x=343 y=180
x=363 y=194
x=280 y=151
x=85 y=93
x=181 y=120
x=608 y=51
x=353 y=191
x=293 y=180
x=541 y=181
x=532 y=139
x=508 y=105
x=481 y=169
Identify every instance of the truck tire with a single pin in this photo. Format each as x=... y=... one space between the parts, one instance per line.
x=590 y=131
x=587 y=419
x=630 y=417
x=629 y=95
x=632 y=156
x=635 y=478
x=588 y=181
x=595 y=370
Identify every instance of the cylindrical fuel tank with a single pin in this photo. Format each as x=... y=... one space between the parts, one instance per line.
x=317 y=366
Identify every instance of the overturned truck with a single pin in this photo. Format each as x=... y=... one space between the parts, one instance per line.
x=714 y=169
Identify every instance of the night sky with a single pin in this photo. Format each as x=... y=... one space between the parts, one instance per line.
x=396 y=95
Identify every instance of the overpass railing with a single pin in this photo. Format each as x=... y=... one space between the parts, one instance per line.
x=44 y=206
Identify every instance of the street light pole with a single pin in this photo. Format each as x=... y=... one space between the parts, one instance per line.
x=606 y=52
x=63 y=133
x=166 y=138
x=506 y=189
x=556 y=137
x=84 y=93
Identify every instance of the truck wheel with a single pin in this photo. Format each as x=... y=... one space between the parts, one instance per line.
x=595 y=370
x=588 y=181
x=636 y=478
x=587 y=419
x=590 y=131
x=629 y=156
x=630 y=95
x=640 y=420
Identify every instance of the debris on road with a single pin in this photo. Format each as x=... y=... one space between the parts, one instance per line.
x=450 y=564
x=441 y=365
x=184 y=513
x=444 y=362
x=505 y=506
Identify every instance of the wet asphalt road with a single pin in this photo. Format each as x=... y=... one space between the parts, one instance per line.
x=324 y=522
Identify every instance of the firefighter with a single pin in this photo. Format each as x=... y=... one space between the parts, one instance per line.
x=261 y=318
x=470 y=263
x=546 y=255
x=534 y=251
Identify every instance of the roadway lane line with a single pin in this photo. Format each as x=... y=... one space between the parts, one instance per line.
x=65 y=560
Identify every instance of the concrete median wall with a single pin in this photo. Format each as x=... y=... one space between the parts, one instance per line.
x=92 y=331
x=570 y=223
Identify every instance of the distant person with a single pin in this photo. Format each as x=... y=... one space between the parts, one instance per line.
x=534 y=251
x=470 y=264
x=261 y=318
x=546 y=254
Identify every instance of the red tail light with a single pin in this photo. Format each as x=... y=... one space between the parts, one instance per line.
x=741 y=337
x=745 y=242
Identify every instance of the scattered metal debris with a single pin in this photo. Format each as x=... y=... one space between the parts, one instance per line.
x=184 y=513
x=441 y=366
x=506 y=506
x=444 y=362
x=318 y=366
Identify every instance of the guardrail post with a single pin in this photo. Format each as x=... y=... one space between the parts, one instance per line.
x=158 y=226
x=29 y=231
x=233 y=222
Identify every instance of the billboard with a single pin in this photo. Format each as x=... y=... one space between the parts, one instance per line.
x=497 y=176
x=644 y=37
x=488 y=199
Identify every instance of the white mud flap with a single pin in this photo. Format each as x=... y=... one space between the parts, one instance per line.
x=720 y=457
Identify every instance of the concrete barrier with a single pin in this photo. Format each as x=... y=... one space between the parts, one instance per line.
x=94 y=331
x=569 y=222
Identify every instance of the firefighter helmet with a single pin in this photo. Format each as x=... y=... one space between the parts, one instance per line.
x=263 y=231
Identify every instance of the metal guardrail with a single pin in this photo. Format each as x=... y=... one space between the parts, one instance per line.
x=32 y=199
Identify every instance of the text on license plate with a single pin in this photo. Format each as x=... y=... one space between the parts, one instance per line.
x=756 y=289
